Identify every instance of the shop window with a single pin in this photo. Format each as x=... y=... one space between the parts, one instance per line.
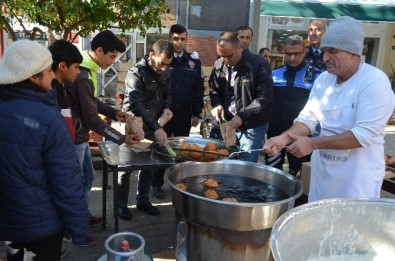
x=217 y=15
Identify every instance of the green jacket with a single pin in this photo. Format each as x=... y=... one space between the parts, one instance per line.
x=93 y=67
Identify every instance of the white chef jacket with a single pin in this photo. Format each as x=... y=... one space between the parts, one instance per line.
x=362 y=104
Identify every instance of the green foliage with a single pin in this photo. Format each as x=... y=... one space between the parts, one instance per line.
x=85 y=16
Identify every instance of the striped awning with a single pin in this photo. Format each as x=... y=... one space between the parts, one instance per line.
x=368 y=10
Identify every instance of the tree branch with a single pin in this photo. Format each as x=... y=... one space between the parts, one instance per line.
x=7 y=27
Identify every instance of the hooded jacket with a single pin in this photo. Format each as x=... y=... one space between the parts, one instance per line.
x=40 y=177
x=85 y=107
x=89 y=64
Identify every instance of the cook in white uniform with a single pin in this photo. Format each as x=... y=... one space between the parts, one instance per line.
x=352 y=101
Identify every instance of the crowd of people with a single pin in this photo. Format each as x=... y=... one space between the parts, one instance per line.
x=324 y=104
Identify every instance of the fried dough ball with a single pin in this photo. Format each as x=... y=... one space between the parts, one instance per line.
x=210 y=193
x=210 y=147
x=211 y=183
x=230 y=199
x=181 y=186
x=184 y=146
x=210 y=156
x=198 y=155
x=224 y=152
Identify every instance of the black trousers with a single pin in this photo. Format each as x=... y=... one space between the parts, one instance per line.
x=179 y=125
x=45 y=249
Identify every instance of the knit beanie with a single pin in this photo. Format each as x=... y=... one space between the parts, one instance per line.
x=345 y=33
x=23 y=59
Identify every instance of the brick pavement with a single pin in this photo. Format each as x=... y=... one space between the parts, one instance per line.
x=158 y=232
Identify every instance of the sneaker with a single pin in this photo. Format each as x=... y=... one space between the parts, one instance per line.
x=67 y=237
x=158 y=192
x=64 y=251
x=89 y=241
x=124 y=213
x=95 y=220
x=149 y=209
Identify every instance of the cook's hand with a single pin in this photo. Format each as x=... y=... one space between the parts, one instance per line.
x=218 y=113
x=161 y=136
x=132 y=138
x=389 y=160
x=236 y=122
x=274 y=145
x=301 y=146
x=195 y=121
x=122 y=116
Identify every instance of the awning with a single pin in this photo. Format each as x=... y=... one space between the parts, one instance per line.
x=365 y=10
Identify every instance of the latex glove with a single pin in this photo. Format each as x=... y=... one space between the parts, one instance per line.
x=218 y=113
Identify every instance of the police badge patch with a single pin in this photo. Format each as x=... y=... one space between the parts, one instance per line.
x=191 y=64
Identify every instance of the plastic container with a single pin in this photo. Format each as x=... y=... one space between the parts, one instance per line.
x=136 y=247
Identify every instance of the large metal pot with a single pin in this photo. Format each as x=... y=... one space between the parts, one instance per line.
x=336 y=229
x=210 y=229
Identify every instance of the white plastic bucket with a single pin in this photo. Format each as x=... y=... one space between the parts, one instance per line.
x=136 y=247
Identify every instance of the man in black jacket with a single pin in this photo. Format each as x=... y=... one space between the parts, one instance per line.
x=147 y=95
x=242 y=93
x=187 y=91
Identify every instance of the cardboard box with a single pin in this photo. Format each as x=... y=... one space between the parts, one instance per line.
x=305 y=177
x=389 y=174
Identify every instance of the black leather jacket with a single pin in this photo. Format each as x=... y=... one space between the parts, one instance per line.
x=147 y=93
x=253 y=89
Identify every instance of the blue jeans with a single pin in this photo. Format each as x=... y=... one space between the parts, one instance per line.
x=85 y=159
x=251 y=139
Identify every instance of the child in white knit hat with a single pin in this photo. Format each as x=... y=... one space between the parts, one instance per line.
x=41 y=190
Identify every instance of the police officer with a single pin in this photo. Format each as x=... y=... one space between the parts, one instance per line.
x=292 y=84
x=314 y=54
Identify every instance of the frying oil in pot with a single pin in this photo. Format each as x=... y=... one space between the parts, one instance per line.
x=244 y=189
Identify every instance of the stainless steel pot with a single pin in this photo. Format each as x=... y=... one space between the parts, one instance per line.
x=336 y=229
x=210 y=229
